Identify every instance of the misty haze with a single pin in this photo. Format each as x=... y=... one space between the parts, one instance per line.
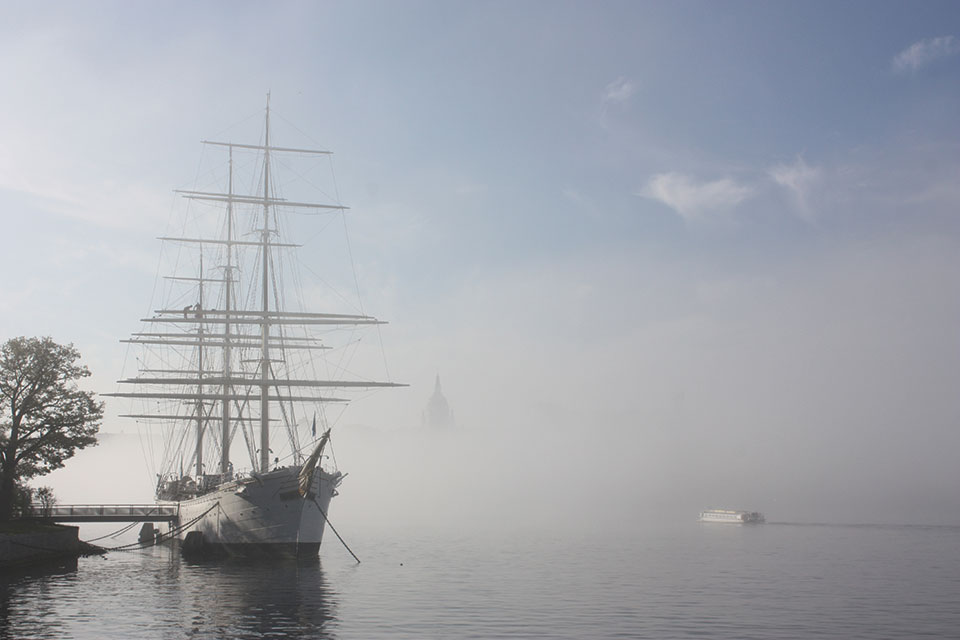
x=574 y=277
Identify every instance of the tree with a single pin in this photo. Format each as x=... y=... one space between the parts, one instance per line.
x=45 y=497
x=46 y=418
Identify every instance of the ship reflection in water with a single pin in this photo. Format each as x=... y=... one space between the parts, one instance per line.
x=158 y=594
x=244 y=599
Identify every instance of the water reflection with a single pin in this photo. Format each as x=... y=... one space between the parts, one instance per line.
x=256 y=599
x=37 y=581
x=155 y=594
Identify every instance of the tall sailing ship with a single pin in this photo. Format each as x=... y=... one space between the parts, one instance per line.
x=225 y=357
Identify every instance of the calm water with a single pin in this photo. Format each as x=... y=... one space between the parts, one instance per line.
x=692 y=580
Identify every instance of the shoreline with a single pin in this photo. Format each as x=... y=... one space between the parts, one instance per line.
x=27 y=543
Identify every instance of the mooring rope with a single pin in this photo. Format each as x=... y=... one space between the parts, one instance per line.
x=82 y=552
x=114 y=534
x=135 y=546
x=339 y=537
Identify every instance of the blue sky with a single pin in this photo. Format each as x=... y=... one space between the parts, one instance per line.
x=578 y=213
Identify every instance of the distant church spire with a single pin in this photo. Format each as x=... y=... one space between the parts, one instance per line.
x=437 y=414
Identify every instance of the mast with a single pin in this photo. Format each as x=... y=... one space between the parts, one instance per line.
x=236 y=329
x=227 y=305
x=200 y=421
x=265 y=323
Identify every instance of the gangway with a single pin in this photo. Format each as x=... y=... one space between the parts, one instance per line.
x=106 y=513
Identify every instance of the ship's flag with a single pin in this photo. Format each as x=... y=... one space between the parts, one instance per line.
x=310 y=466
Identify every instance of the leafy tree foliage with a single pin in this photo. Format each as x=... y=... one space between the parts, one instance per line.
x=44 y=417
x=22 y=500
x=46 y=498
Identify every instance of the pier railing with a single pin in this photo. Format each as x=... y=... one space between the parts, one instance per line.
x=105 y=513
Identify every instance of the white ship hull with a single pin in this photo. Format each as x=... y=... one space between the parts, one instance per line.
x=725 y=516
x=259 y=515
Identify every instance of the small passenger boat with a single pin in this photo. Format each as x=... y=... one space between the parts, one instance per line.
x=732 y=517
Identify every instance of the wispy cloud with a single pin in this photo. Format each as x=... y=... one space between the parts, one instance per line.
x=692 y=200
x=618 y=91
x=581 y=201
x=924 y=52
x=801 y=180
